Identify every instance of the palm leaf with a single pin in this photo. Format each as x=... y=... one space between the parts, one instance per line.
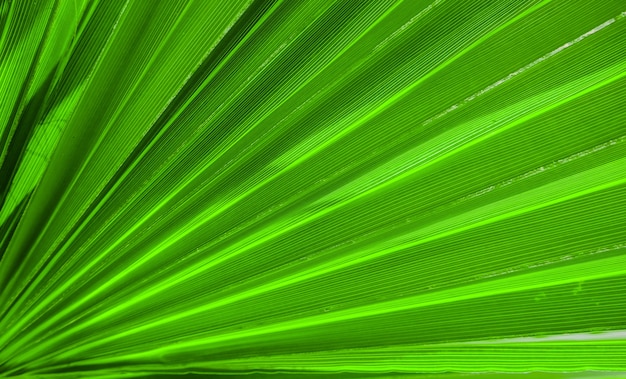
x=342 y=188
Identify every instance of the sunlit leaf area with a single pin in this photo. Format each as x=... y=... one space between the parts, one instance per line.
x=313 y=189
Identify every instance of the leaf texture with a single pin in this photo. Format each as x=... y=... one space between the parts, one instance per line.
x=337 y=188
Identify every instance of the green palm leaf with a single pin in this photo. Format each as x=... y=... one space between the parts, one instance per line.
x=284 y=187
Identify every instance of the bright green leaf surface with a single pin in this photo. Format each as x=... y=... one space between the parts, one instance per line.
x=366 y=189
